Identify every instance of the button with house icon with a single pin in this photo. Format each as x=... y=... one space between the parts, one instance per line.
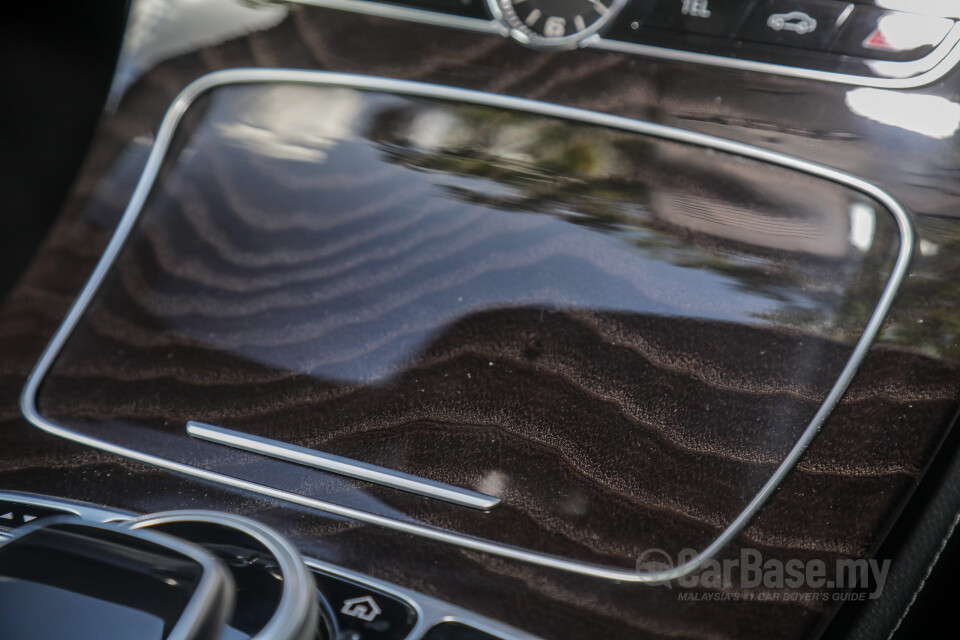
x=363 y=613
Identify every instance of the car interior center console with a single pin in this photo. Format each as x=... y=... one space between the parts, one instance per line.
x=472 y=274
x=432 y=318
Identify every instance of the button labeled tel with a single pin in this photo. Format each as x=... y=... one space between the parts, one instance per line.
x=696 y=8
x=702 y=17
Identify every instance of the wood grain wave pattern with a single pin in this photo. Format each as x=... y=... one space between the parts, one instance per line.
x=619 y=336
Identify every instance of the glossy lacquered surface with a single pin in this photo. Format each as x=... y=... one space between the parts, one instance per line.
x=845 y=490
x=490 y=299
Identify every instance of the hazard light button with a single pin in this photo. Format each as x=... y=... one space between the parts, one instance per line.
x=890 y=35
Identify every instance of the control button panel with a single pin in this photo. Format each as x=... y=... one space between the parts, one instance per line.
x=826 y=39
x=363 y=613
x=847 y=28
x=829 y=36
x=828 y=26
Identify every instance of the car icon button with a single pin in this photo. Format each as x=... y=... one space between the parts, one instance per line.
x=796 y=21
x=805 y=24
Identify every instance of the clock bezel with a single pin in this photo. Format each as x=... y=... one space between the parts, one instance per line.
x=503 y=12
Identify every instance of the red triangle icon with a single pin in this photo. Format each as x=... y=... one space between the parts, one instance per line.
x=878 y=41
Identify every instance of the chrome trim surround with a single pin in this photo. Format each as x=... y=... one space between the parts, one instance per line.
x=409 y=14
x=429 y=611
x=295 y=617
x=342 y=466
x=28 y=399
x=890 y=75
x=915 y=73
x=84 y=511
x=213 y=596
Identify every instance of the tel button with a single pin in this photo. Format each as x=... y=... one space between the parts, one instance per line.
x=707 y=17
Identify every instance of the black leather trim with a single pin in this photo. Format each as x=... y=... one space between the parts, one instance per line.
x=924 y=545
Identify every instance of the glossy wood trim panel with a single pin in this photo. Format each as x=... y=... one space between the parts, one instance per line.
x=266 y=77
x=845 y=490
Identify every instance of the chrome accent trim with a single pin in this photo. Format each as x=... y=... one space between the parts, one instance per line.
x=295 y=617
x=343 y=466
x=216 y=590
x=28 y=399
x=84 y=511
x=430 y=611
x=915 y=73
x=844 y=15
x=409 y=14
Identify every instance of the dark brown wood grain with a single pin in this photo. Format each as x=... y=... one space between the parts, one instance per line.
x=837 y=503
x=574 y=333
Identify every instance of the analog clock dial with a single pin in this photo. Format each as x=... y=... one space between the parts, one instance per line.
x=555 y=24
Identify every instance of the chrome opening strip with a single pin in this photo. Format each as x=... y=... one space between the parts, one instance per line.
x=343 y=466
x=28 y=399
x=82 y=510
